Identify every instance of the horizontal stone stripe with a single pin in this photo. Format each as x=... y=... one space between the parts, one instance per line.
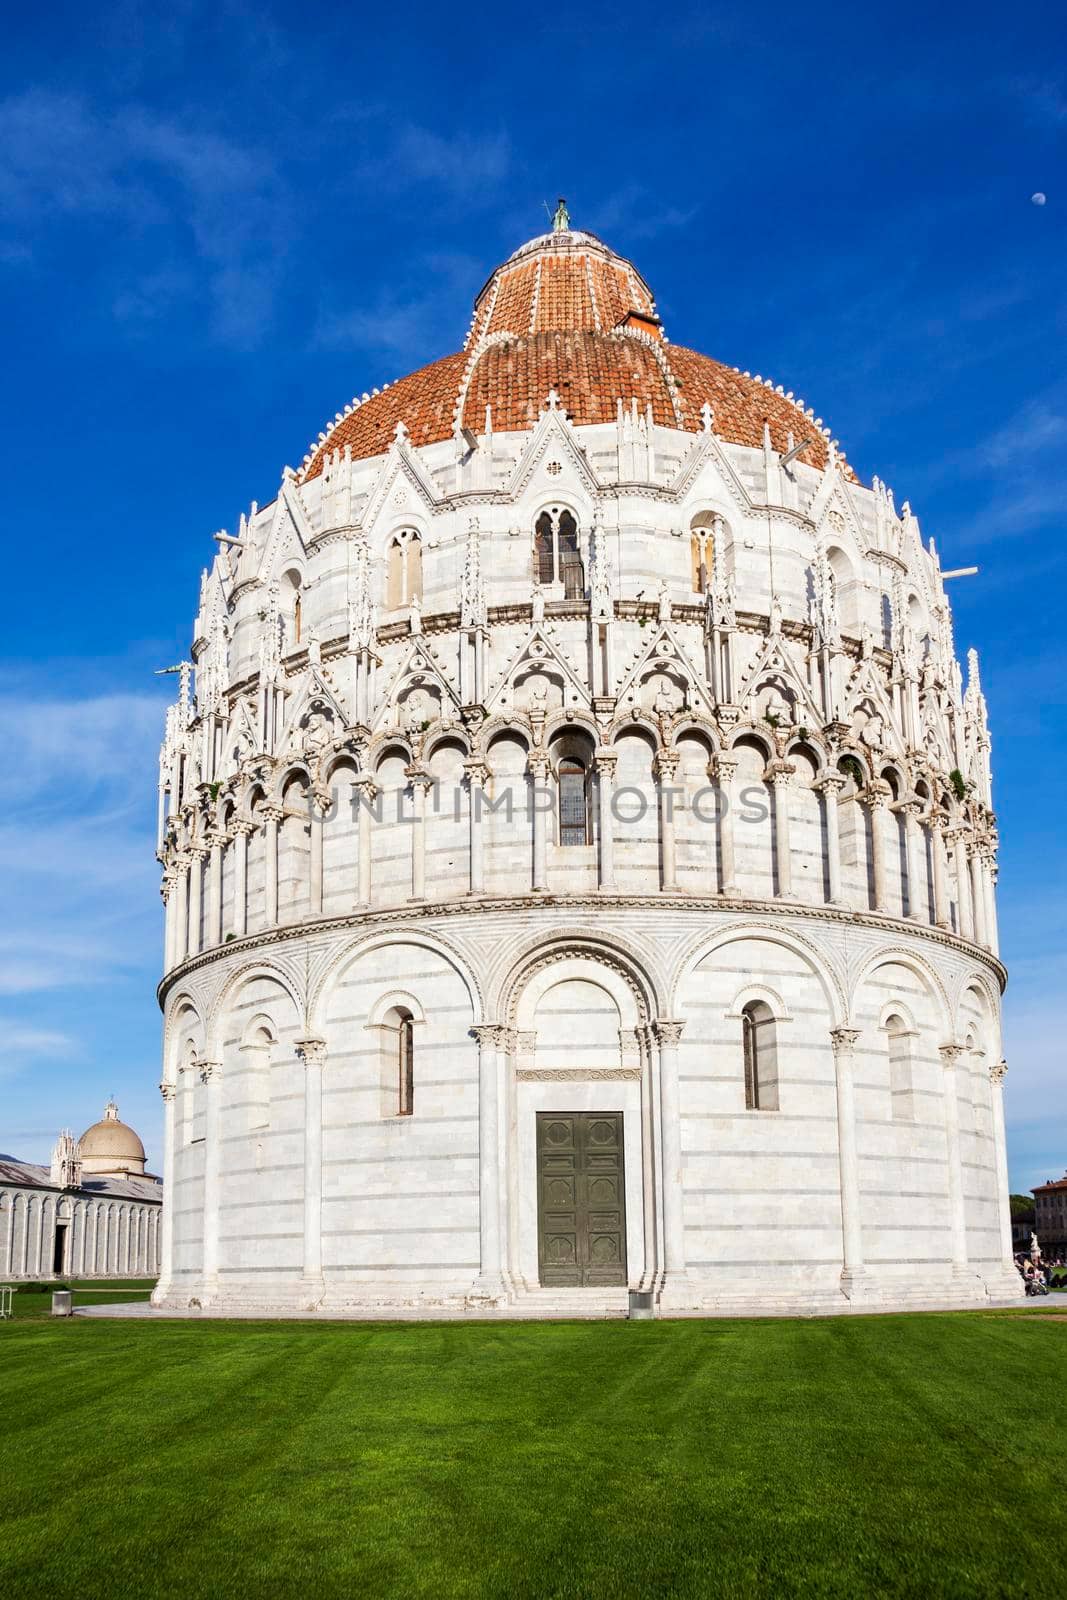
x=359 y=1196
x=439 y=1267
x=370 y=1160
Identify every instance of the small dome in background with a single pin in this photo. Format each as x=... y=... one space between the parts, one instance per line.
x=111 y=1146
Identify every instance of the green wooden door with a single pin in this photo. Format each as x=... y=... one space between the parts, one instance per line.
x=581 y=1198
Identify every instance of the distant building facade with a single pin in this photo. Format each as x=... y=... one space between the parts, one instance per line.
x=93 y=1213
x=1050 y=1216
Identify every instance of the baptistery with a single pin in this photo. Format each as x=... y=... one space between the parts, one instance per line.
x=578 y=855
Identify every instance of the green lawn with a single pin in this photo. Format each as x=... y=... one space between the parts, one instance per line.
x=852 y=1456
x=87 y=1292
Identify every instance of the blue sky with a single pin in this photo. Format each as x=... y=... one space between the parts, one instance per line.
x=218 y=223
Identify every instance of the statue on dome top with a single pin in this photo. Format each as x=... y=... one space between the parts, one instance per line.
x=561 y=221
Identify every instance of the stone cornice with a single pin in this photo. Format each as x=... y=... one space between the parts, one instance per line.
x=418 y=914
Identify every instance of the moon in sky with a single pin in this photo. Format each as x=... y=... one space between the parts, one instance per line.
x=1038 y=199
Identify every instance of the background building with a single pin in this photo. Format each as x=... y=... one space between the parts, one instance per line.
x=94 y=1213
x=1050 y=1217
x=578 y=853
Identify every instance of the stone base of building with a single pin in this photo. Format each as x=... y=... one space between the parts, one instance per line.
x=687 y=1296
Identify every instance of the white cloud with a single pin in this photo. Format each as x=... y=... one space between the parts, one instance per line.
x=169 y=184
x=464 y=164
x=76 y=840
x=636 y=214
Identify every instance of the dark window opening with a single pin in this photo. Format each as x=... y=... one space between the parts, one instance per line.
x=406 y=1065
x=573 y=803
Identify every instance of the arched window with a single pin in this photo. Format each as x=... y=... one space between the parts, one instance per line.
x=403 y=581
x=702 y=551
x=405 y=1064
x=557 y=553
x=291 y=607
x=761 y=1057
x=900 y=1084
x=573 y=802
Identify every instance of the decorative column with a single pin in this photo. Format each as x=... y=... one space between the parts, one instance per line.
x=913 y=852
x=169 y=1092
x=950 y=1055
x=196 y=879
x=997 y=1074
x=937 y=856
x=170 y=920
x=214 y=899
x=665 y=767
x=271 y=815
x=992 y=930
x=978 y=894
x=668 y=1035
x=181 y=910
x=320 y=804
x=241 y=830
x=477 y=774
x=366 y=793
x=312 y=1053
x=538 y=767
x=878 y=798
x=210 y=1077
x=604 y=762
x=830 y=788
x=420 y=782
x=725 y=772
x=780 y=774
x=492 y=1042
x=855 y=1280
x=963 y=885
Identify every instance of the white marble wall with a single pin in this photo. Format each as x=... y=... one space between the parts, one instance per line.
x=105 y=1237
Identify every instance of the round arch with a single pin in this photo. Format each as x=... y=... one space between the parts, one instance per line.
x=508 y=982
x=236 y=981
x=927 y=974
x=707 y=944
x=339 y=965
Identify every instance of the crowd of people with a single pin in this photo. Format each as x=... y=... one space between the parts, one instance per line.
x=1038 y=1274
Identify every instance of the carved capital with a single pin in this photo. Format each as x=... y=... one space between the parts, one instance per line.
x=665 y=764
x=877 y=794
x=169 y=1091
x=312 y=1052
x=998 y=1071
x=538 y=765
x=830 y=785
x=843 y=1042
x=950 y=1054
x=781 y=774
x=667 y=1032
x=605 y=760
x=477 y=773
x=206 y=1070
x=491 y=1034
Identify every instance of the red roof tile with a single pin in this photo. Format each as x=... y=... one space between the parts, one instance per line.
x=573 y=293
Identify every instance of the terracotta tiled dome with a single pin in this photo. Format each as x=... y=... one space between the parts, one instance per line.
x=566 y=313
